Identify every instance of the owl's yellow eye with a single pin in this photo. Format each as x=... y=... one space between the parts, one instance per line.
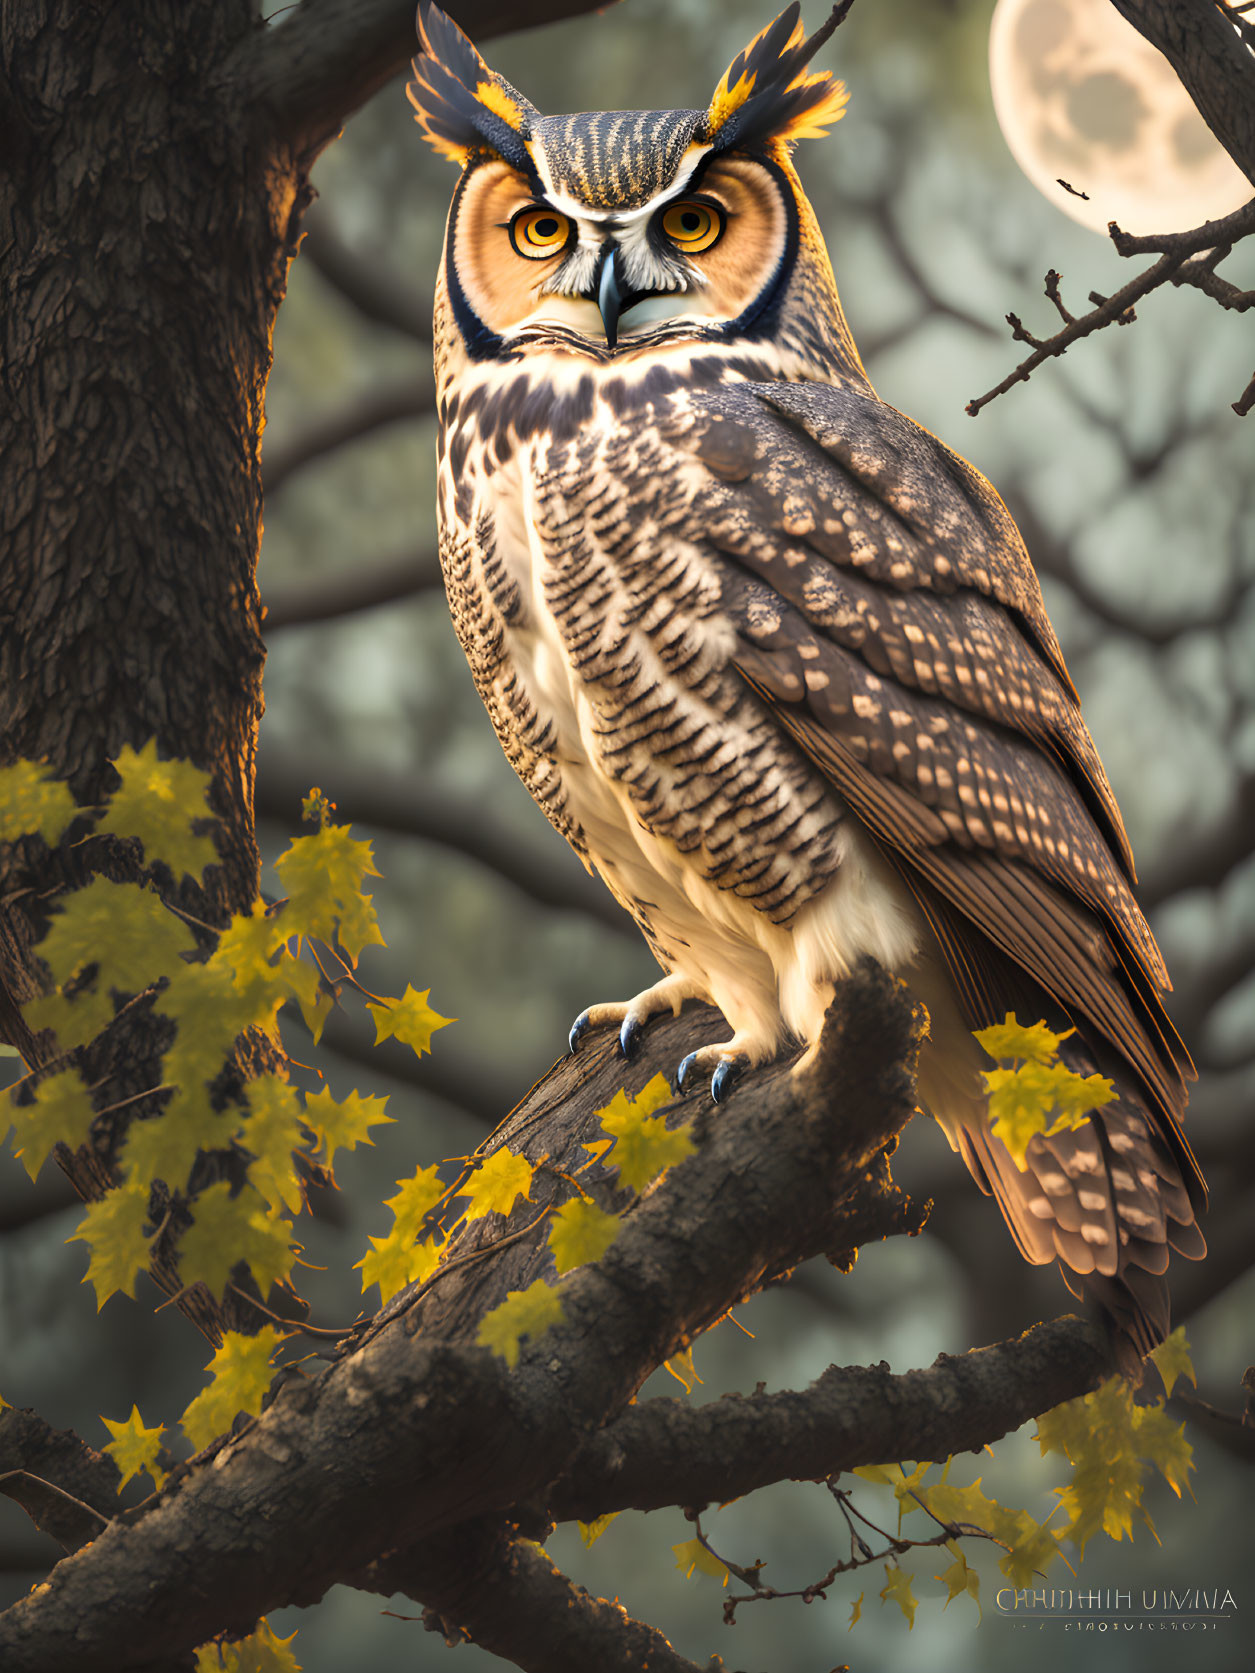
x=539 y=233
x=692 y=226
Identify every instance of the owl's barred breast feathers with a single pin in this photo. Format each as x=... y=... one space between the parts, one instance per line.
x=771 y=657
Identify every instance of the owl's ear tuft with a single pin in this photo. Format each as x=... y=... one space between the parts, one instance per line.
x=461 y=105
x=767 y=97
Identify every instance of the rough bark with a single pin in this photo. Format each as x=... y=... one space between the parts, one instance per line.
x=1213 y=62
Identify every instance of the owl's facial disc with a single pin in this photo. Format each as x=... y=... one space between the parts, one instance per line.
x=681 y=265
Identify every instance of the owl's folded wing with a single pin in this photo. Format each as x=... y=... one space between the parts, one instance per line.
x=889 y=617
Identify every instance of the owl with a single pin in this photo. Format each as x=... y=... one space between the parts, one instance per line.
x=771 y=658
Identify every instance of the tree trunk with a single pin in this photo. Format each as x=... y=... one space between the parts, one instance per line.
x=149 y=222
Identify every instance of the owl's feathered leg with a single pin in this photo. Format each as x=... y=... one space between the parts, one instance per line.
x=632 y=1014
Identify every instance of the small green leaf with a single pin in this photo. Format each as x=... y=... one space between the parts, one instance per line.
x=523 y=1313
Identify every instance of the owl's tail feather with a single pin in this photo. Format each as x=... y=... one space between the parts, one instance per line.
x=1108 y=1201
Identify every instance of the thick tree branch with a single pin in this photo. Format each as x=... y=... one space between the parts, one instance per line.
x=508 y=1596
x=417 y=1429
x=664 y=1452
x=322 y=61
x=1212 y=62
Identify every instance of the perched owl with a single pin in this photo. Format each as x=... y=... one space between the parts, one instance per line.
x=772 y=659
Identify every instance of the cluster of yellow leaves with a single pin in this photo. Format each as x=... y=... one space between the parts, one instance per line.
x=109 y=942
x=260 y=1652
x=1038 y=1094
x=1111 y=1444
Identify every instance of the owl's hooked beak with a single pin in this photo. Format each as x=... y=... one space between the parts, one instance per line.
x=610 y=296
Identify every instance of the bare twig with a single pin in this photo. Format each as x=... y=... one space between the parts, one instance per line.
x=1175 y=252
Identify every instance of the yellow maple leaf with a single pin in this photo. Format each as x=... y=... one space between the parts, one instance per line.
x=397 y=1260
x=591 y=1532
x=644 y=1145
x=125 y=929
x=523 y=1313
x=157 y=802
x=1014 y=1040
x=241 y=1372
x=1041 y=1098
x=323 y=876
x=343 y=1124
x=135 y=1447
x=113 y=1230
x=494 y=1187
x=409 y=1019
x=579 y=1231
x=32 y=804
x=271 y=1131
x=228 y=1229
x=164 y=1146
x=415 y=1199
x=60 y=1113
x=899 y=1590
x=1172 y=1360
x=260 y=1652
x=959 y=1577
x=691 y=1555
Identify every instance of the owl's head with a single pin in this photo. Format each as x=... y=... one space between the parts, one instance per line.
x=612 y=231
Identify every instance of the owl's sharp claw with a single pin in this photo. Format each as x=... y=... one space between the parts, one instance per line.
x=579 y=1028
x=682 y=1074
x=630 y=1036
x=725 y=1077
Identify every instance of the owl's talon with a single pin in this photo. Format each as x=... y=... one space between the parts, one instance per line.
x=579 y=1028
x=729 y=1071
x=630 y=1036
x=678 y=1086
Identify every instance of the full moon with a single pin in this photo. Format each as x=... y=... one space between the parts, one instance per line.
x=1081 y=96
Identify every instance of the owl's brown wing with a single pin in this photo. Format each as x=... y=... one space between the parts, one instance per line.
x=890 y=618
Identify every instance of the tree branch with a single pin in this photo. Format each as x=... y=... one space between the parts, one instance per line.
x=1177 y=248
x=1213 y=63
x=664 y=1452
x=417 y=1429
x=322 y=61
x=506 y=1595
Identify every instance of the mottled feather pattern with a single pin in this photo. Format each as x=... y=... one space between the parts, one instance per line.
x=775 y=661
